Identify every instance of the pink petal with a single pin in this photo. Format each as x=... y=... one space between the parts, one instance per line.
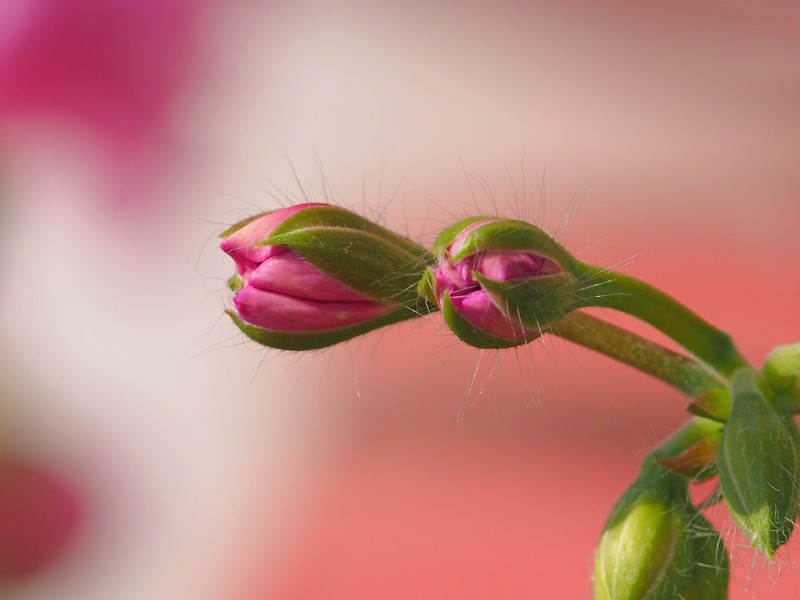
x=289 y=274
x=450 y=277
x=477 y=308
x=505 y=266
x=241 y=244
x=278 y=312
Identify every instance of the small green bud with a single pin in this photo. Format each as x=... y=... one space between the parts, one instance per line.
x=758 y=465
x=782 y=368
x=646 y=550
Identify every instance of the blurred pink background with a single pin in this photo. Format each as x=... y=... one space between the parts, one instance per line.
x=662 y=139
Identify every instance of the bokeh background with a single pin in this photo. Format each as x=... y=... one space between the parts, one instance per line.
x=150 y=453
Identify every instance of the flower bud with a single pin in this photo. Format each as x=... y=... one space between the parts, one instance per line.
x=312 y=275
x=758 y=466
x=646 y=549
x=782 y=368
x=500 y=282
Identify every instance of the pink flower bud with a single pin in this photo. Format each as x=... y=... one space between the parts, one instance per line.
x=507 y=291
x=280 y=291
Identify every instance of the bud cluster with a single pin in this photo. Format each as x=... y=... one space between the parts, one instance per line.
x=314 y=275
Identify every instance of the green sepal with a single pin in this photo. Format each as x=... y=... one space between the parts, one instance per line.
x=237 y=226
x=715 y=404
x=314 y=340
x=363 y=261
x=470 y=334
x=687 y=437
x=710 y=571
x=450 y=233
x=758 y=465
x=318 y=218
x=646 y=550
x=536 y=302
x=427 y=287
x=690 y=452
x=697 y=462
x=235 y=283
x=513 y=236
x=782 y=368
x=364 y=256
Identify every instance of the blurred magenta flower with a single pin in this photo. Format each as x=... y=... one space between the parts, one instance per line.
x=114 y=67
x=39 y=516
x=499 y=282
x=312 y=275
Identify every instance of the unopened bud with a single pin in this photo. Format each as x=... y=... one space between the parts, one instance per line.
x=499 y=282
x=312 y=275
x=782 y=368
x=758 y=466
x=646 y=550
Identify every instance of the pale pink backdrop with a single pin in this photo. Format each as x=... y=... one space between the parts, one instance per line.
x=666 y=138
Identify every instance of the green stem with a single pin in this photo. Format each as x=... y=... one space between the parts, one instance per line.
x=675 y=369
x=609 y=289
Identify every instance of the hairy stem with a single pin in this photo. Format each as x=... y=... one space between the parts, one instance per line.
x=649 y=357
x=604 y=288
